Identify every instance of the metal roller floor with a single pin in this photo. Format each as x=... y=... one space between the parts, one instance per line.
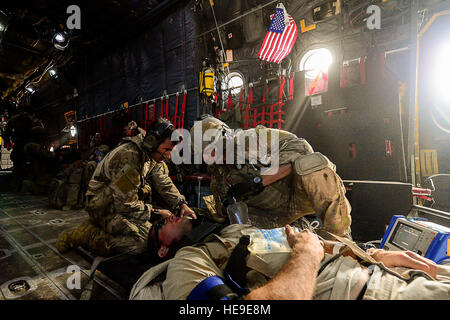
x=30 y=266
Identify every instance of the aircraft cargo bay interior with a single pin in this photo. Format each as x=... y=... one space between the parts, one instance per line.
x=201 y=150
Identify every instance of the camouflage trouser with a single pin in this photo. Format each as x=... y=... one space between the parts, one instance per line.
x=323 y=193
x=88 y=171
x=102 y=243
x=106 y=233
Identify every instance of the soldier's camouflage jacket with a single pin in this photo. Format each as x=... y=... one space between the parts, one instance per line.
x=292 y=197
x=113 y=188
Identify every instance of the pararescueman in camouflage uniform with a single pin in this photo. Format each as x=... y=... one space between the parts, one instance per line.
x=118 y=197
x=22 y=129
x=305 y=183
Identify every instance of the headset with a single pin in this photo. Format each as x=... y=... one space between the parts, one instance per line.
x=162 y=129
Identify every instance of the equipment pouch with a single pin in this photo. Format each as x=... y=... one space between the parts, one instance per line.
x=310 y=163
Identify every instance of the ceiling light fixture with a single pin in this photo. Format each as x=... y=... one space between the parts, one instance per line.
x=60 y=40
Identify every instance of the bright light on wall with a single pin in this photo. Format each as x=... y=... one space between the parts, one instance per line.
x=53 y=73
x=60 y=40
x=315 y=61
x=73 y=131
x=442 y=71
x=59 y=37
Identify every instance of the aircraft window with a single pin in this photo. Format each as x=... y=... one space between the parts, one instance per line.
x=315 y=63
x=234 y=82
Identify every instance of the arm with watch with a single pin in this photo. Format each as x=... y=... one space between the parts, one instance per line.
x=160 y=180
x=256 y=184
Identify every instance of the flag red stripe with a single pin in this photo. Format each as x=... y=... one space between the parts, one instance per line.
x=288 y=41
x=268 y=45
x=288 y=44
x=277 y=46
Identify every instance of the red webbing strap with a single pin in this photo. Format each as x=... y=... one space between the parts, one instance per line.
x=162 y=107
x=291 y=87
x=183 y=109
x=146 y=116
x=167 y=108
x=105 y=127
x=279 y=112
x=111 y=125
x=154 y=111
x=142 y=115
x=344 y=76
x=253 y=111
x=99 y=125
x=316 y=80
x=265 y=92
x=325 y=80
x=230 y=101
x=282 y=83
x=249 y=102
x=175 y=116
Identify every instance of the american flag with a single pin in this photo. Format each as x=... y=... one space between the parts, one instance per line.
x=280 y=38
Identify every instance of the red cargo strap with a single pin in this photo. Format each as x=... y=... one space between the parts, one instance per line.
x=282 y=83
x=142 y=115
x=146 y=116
x=291 y=87
x=99 y=125
x=105 y=127
x=247 y=111
x=167 y=107
x=264 y=91
x=230 y=101
x=183 y=109
x=154 y=111
x=162 y=107
x=175 y=117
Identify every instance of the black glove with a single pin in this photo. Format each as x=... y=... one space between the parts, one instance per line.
x=244 y=189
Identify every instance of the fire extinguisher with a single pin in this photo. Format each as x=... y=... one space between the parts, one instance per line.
x=207 y=79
